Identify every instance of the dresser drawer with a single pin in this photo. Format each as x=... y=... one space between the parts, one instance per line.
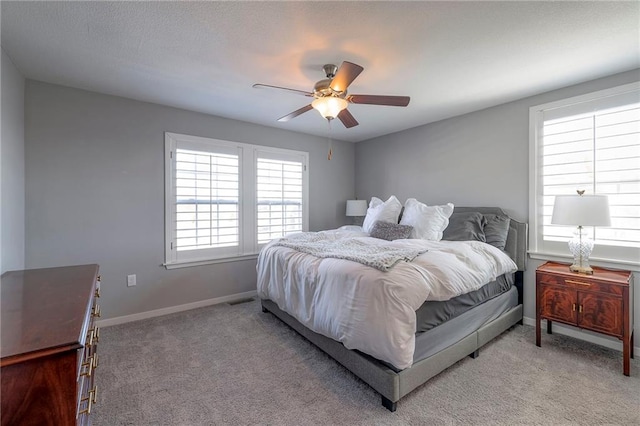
x=87 y=398
x=92 y=333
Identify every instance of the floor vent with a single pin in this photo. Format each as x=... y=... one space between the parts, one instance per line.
x=240 y=301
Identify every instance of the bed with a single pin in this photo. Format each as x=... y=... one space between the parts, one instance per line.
x=443 y=331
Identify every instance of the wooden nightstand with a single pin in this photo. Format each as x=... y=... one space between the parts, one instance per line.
x=602 y=302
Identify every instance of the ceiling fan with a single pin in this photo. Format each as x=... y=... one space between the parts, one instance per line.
x=331 y=98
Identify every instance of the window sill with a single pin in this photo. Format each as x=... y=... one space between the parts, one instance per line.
x=190 y=263
x=594 y=261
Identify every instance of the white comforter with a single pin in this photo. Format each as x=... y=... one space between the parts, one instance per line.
x=371 y=310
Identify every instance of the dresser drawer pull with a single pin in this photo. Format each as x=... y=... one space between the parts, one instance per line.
x=91 y=399
x=95 y=311
x=89 y=364
x=94 y=334
x=578 y=283
x=580 y=308
x=574 y=307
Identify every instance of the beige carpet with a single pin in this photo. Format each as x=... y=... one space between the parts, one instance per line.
x=235 y=365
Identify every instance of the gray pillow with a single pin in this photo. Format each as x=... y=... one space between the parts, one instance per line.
x=465 y=226
x=496 y=230
x=390 y=231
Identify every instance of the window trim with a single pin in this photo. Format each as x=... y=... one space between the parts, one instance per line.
x=248 y=154
x=536 y=121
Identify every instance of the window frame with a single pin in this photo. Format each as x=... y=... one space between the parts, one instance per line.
x=248 y=155
x=553 y=250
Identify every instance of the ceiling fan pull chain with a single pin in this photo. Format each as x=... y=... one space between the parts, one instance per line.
x=330 y=140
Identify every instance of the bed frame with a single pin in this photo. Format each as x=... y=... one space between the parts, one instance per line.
x=393 y=385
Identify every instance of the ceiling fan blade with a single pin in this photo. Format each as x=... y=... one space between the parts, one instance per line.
x=346 y=74
x=401 y=101
x=296 y=113
x=347 y=119
x=300 y=92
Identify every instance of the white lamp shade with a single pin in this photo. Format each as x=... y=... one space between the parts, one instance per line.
x=581 y=210
x=356 y=207
x=329 y=106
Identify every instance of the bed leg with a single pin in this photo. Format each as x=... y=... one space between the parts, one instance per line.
x=475 y=354
x=389 y=405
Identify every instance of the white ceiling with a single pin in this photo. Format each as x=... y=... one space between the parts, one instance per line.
x=450 y=57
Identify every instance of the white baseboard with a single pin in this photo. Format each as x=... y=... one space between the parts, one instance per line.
x=173 y=309
x=607 y=342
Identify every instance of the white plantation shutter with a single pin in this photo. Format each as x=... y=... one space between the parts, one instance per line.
x=598 y=152
x=207 y=195
x=593 y=145
x=279 y=196
x=225 y=199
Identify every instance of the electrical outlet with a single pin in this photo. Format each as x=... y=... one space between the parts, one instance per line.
x=131 y=280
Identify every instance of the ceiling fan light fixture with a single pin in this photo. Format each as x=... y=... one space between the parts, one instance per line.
x=330 y=95
x=330 y=106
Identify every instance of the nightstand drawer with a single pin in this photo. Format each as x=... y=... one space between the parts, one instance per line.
x=542 y=278
x=583 y=284
x=600 y=287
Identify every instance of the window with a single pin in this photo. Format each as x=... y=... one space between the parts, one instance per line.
x=590 y=143
x=225 y=200
x=279 y=197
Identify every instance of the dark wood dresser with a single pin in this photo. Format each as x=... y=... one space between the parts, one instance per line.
x=602 y=302
x=49 y=344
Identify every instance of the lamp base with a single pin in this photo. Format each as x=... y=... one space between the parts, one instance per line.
x=581 y=246
x=586 y=270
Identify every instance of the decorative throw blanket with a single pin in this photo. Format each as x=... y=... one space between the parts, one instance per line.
x=357 y=250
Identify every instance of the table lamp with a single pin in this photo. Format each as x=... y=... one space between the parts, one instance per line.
x=581 y=210
x=356 y=208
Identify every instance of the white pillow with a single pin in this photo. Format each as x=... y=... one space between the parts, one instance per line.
x=428 y=221
x=387 y=211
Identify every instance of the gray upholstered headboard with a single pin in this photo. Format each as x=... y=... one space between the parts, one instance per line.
x=517 y=238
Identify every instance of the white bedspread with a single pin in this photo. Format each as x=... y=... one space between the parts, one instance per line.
x=371 y=310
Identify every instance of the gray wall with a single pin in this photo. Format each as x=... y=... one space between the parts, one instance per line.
x=12 y=169
x=95 y=192
x=477 y=159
